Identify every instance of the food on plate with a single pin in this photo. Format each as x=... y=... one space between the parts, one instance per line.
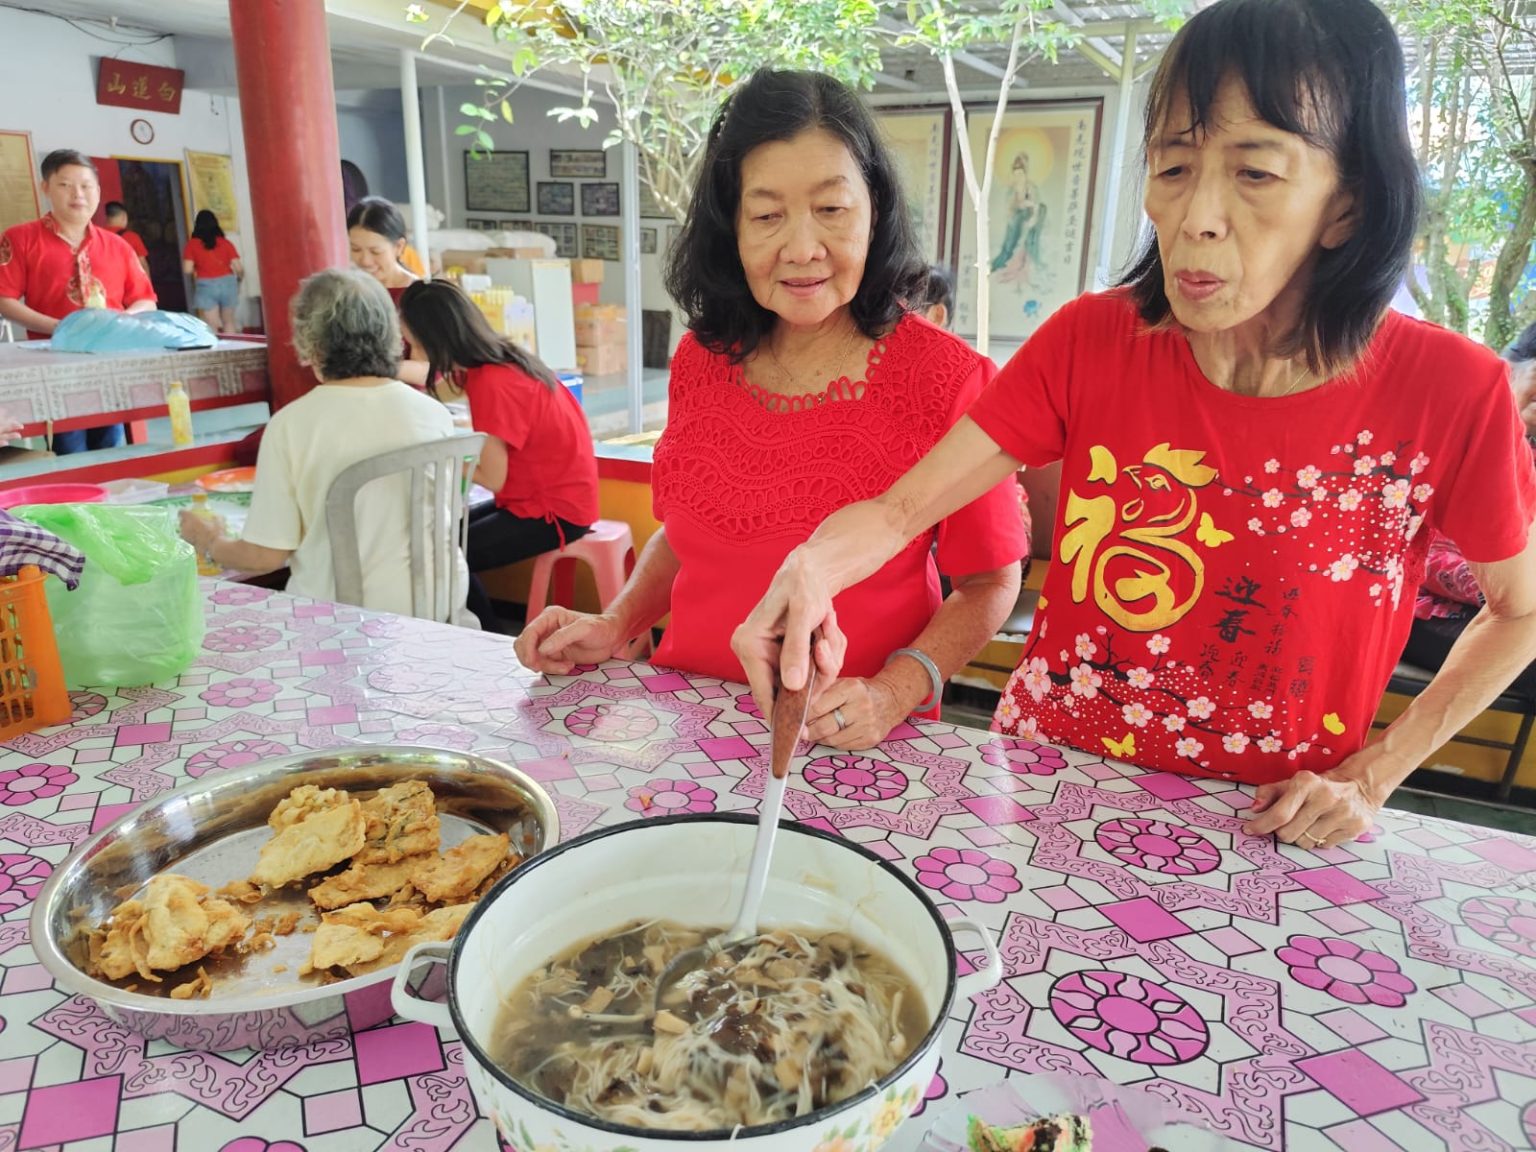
x=360 y=938
x=780 y=1026
x=174 y=923
x=1047 y=1134
x=458 y=872
x=316 y=830
x=359 y=854
x=401 y=821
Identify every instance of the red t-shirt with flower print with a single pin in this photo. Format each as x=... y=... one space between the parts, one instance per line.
x=1232 y=577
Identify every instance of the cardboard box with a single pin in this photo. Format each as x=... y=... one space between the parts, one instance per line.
x=465 y=260
x=602 y=359
x=587 y=271
x=601 y=324
x=585 y=294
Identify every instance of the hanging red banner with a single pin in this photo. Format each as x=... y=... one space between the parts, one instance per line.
x=131 y=85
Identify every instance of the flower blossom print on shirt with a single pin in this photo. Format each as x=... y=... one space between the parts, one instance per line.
x=1363 y=510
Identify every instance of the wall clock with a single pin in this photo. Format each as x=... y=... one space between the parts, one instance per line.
x=143 y=131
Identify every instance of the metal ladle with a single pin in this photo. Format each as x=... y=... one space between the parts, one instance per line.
x=790 y=710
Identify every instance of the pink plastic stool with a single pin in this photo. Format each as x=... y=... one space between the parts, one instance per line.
x=609 y=550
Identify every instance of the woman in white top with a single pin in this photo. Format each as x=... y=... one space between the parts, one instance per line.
x=346 y=331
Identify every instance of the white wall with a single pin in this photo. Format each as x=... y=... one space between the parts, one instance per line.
x=533 y=130
x=372 y=130
x=48 y=87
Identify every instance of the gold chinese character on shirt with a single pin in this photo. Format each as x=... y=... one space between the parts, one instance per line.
x=1130 y=546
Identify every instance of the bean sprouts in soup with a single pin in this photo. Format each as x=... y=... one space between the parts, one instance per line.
x=780 y=1027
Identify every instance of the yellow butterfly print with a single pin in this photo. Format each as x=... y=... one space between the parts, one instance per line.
x=1210 y=535
x=1333 y=723
x=1122 y=748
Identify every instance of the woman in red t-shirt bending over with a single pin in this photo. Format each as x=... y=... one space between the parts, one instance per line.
x=804 y=385
x=538 y=452
x=214 y=264
x=1254 y=449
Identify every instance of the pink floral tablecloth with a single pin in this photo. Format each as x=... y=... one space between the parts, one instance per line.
x=1377 y=997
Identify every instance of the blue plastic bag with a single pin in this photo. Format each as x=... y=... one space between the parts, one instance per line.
x=100 y=331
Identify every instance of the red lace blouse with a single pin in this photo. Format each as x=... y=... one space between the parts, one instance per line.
x=742 y=476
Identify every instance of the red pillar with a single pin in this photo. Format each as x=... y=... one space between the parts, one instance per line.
x=293 y=155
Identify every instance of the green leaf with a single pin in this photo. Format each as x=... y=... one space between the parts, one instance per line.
x=506 y=111
x=483 y=139
x=464 y=130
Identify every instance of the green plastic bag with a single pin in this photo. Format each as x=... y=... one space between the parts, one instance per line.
x=137 y=616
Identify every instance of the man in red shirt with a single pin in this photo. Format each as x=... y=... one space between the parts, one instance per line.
x=62 y=263
x=116 y=213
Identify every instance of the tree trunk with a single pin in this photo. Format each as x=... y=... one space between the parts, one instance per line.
x=1509 y=269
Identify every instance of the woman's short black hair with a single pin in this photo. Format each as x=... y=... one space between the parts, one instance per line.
x=704 y=273
x=1330 y=71
x=205 y=227
x=376 y=214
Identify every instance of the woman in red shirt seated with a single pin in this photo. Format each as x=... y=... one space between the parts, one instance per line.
x=538 y=453
x=211 y=260
x=802 y=386
x=1254 y=450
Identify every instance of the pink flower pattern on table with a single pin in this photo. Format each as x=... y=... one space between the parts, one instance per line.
x=967 y=874
x=31 y=782
x=1344 y=970
x=614 y=723
x=1158 y=847
x=21 y=879
x=670 y=798
x=234 y=595
x=241 y=692
x=855 y=778
x=241 y=638
x=1129 y=1017
x=1119 y=954
x=1504 y=920
x=86 y=704
x=1024 y=757
x=233 y=754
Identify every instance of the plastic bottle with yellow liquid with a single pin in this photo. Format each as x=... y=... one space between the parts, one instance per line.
x=200 y=509
x=179 y=408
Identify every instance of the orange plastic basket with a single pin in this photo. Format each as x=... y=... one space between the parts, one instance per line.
x=32 y=691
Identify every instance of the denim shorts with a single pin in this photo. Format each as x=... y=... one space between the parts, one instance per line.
x=220 y=292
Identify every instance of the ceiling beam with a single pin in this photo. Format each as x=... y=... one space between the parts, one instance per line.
x=969 y=59
x=886 y=80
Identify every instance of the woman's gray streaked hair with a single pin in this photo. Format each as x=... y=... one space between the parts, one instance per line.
x=345 y=326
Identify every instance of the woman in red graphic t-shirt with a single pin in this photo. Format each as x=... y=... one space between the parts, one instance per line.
x=1255 y=450
x=804 y=385
x=538 y=455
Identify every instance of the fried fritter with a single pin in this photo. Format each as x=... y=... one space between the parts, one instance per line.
x=460 y=870
x=365 y=882
x=174 y=924
x=309 y=839
x=402 y=821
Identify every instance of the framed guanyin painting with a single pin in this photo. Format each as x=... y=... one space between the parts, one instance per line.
x=1041 y=209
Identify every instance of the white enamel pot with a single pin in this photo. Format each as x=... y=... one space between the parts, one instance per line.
x=692 y=869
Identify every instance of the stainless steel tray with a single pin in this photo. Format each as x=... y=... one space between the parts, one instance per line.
x=212 y=829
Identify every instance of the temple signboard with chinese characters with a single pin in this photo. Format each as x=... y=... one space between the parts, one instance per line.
x=132 y=85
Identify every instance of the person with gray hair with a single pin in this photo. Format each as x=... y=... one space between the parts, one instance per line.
x=346 y=332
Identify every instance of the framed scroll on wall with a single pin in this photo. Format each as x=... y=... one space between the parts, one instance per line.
x=920 y=142
x=1041 y=209
x=18 y=180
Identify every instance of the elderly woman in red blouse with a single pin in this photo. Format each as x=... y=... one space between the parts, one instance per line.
x=804 y=385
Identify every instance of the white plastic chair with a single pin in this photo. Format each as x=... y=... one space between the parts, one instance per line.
x=441 y=467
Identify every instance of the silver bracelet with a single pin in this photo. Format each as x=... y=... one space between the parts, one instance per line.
x=935 y=681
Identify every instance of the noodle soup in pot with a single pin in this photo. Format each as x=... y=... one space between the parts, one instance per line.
x=829 y=903
x=765 y=1032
